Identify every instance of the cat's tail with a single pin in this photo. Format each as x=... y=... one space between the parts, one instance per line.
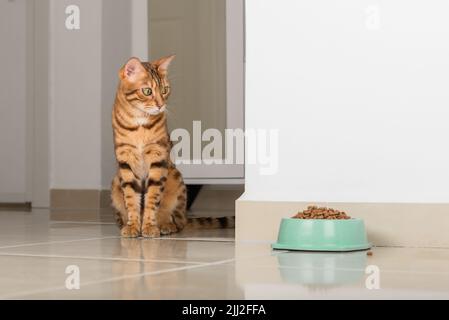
x=210 y=223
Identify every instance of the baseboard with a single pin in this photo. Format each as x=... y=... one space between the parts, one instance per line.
x=388 y=224
x=211 y=198
x=78 y=199
x=105 y=198
x=14 y=206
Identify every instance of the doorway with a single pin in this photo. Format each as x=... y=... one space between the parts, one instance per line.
x=206 y=76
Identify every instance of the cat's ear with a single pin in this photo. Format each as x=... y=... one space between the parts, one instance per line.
x=163 y=64
x=132 y=70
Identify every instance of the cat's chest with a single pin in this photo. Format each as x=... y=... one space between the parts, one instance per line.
x=146 y=132
x=142 y=137
x=141 y=121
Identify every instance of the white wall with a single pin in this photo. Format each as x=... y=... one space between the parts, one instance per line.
x=362 y=111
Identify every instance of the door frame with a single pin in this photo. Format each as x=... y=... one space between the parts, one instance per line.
x=30 y=7
x=38 y=161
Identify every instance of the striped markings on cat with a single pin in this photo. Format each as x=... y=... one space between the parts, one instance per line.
x=262 y=148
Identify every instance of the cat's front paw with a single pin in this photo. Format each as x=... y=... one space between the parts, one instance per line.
x=131 y=231
x=168 y=228
x=149 y=231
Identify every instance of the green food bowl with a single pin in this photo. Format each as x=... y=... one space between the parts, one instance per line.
x=322 y=235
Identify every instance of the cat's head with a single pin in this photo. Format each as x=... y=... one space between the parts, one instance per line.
x=145 y=84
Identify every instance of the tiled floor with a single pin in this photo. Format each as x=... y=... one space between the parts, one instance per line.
x=36 y=248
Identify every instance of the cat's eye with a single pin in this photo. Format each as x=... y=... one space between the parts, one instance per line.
x=147 y=91
x=165 y=90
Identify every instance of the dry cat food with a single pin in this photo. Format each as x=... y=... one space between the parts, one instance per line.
x=315 y=212
x=369 y=253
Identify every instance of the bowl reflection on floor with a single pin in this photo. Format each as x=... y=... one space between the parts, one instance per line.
x=317 y=268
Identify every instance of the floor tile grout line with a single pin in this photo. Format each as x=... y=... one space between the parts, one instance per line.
x=111 y=237
x=113 y=279
x=215 y=239
x=31 y=255
x=55 y=242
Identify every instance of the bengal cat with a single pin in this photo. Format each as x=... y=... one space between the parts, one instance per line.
x=148 y=192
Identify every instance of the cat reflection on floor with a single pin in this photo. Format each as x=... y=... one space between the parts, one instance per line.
x=144 y=256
